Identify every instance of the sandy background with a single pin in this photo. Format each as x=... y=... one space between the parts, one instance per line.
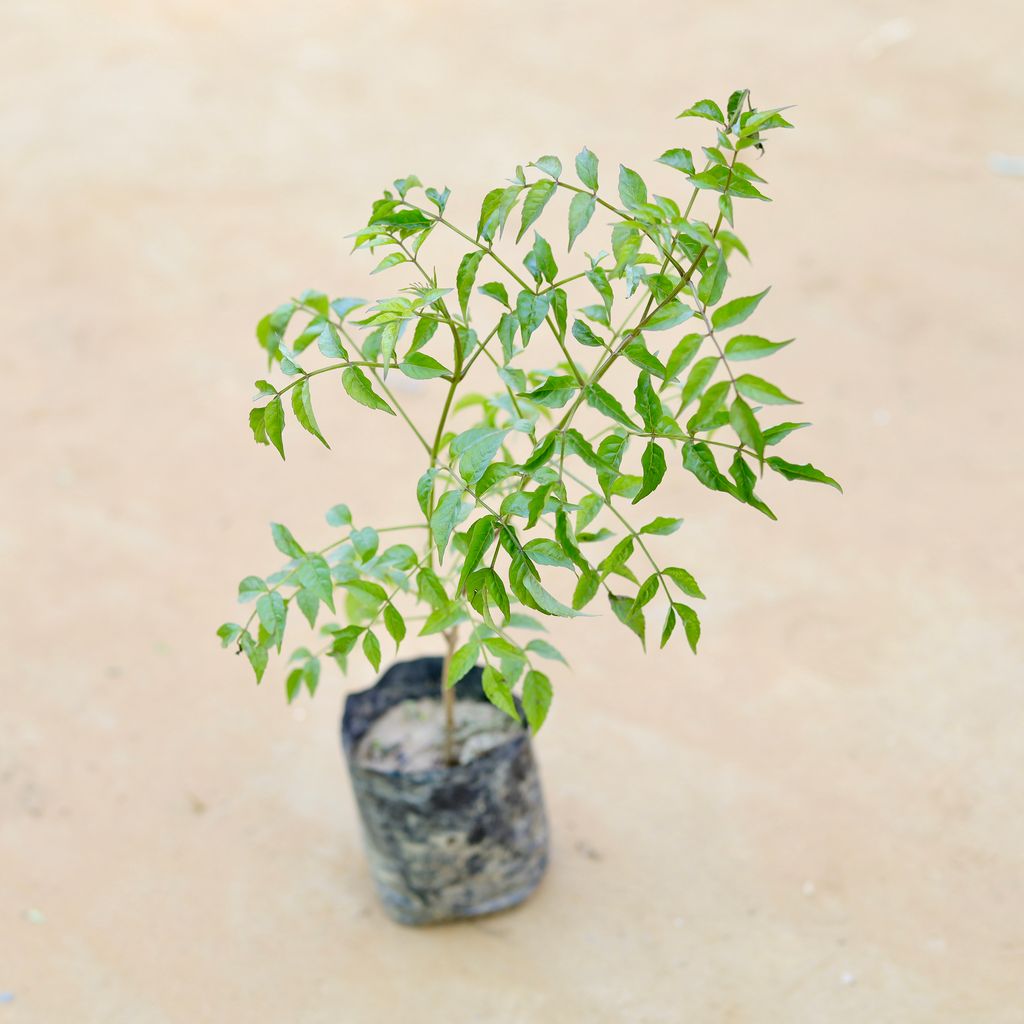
x=819 y=819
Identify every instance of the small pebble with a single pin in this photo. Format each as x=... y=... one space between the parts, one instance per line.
x=808 y=888
x=34 y=916
x=847 y=978
x=6 y=997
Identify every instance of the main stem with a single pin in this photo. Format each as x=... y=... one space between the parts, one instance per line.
x=448 y=700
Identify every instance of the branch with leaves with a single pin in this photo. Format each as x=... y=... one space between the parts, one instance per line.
x=524 y=482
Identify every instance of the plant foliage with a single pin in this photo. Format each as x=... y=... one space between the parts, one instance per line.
x=534 y=463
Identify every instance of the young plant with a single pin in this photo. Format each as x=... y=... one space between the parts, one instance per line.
x=565 y=396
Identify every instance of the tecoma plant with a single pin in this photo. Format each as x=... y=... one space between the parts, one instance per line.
x=565 y=395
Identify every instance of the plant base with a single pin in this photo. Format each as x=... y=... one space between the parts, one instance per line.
x=450 y=842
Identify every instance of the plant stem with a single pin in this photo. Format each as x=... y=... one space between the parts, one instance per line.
x=448 y=699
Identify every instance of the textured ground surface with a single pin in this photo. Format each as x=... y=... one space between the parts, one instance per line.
x=817 y=820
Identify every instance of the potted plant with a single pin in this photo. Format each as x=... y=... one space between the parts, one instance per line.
x=565 y=397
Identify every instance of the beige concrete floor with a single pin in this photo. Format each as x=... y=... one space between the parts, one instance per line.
x=818 y=819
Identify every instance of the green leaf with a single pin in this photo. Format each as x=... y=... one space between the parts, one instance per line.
x=394 y=623
x=424 y=488
x=585 y=336
x=669 y=314
x=625 y=245
x=285 y=542
x=707 y=109
x=497 y=591
x=744 y=422
x=315 y=574
x=736 y=311
x=443 y=619
x=388 y=342
x=430 y=589
x=507 y=326
x=540 y=261
x=536 y=699
x=586 y=168
x=339 y=515
x=792 y=471
x=550 y=165
x=545 y=551
x=646 y=593
x=302 y=406
x=691 y=624
x=270 y=609
x=498 y=692
x=293 y=684
x=607 y=404
x=476 y=449
x=425 y=330
x=344 y=640
x=617 y=557
x=273 y=423
x=486 y=224
x=371 y=648
x=713 y=279
x=358 y=386
x=682 y=355
x=450 y=511
x=703 y=370
x=699 y=460
x=311 y=675
x=478 y=540
x=329 y=342
x=309 y=604
x=545 y=650
x=761 y=391
x=465 y=277
x=495 y=290
x=632 y=190
x=541 y=453
x=662 y=526
x=258 y=426
x=750 y=346
x=530 y=311
x=718 y=179
x=545 y=602
x=581 y=209
x=745 y=481
x=586 y=589
x=250 y=587
x=462 y=661
x=374 y=593
x=680 y=159
x=773 y=435
x=684 y=581
x=537 y=197
x=554 y=392
x=270 y=330
x=636 y=352
x=365 y=542
x=653 y=462
x=629 y=616
x=342 y=307
x=670 y=625
x=646 y=401
x=257 y=656
x=420 y=366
